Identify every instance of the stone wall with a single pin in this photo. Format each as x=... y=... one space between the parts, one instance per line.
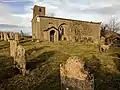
x=73 y=76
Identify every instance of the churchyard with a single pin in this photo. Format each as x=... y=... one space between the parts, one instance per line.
x=47 y=64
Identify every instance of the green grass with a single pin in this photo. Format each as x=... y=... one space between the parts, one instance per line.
x=43 y=60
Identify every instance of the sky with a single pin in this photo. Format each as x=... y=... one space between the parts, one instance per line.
x=16 y=15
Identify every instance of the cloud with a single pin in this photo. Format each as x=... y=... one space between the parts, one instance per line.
x=6 y=15
x=14 y=21
x=91 y=10
x=110 y=10
x=9 y=26
x=19 y=13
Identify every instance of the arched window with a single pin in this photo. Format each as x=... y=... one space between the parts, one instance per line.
x=40 y=10
x=61 y=30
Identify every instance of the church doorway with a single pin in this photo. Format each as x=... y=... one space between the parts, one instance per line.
x=52 y=35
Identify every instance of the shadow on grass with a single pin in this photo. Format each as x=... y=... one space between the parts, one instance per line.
x=6 y=68
x=4 y=46
x=107 y=81
x=117 y=62
x=46 y=73
x=33 y=63
x=29 y=52
x=24 y=41
x=116 y=54
x=51 y=82
x=28 y=36
x=103 y=80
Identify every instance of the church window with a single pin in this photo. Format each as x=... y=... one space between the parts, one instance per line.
x=40 y=10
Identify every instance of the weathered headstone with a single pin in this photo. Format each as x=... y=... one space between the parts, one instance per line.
x=11 y=35
x=13 y=47
x=20 y=59
x=37 y=40
x=18 y=53
x=17 y=36
x=2 y=36
x=5 y=36
x=102 y=40
x=22 y=34
x=73 y=76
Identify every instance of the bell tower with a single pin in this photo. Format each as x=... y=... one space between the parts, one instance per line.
x=38 y=10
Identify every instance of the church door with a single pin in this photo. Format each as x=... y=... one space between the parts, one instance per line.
x=52 y=35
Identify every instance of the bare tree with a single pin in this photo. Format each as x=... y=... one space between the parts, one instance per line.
x=110 y=29
x=114 y=25
x=103 y=29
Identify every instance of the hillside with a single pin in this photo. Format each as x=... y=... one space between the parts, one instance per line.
x=43 y=61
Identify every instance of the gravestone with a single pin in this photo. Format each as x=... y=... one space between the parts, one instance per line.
x=11 y=35
x=73 y=76
x=102 y=40
x=2 y=36
x=18 y=53
x=37 y=40
x=13 y=46
x=20 y=59
x=17 y=36
x=5 y=36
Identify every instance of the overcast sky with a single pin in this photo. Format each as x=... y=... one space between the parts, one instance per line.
x=18 y=14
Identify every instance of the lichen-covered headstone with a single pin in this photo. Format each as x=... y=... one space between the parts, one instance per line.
x=73 y=76
x=5 y=36
x=2 y=36
x=11 y=35
x=20 y=59
x=37 y=40
x=102 y=40
x=13 y=47
x=18 y=53
x=17 y=36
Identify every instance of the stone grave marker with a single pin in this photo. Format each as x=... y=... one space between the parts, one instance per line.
x=20 y=59
x=73 y=76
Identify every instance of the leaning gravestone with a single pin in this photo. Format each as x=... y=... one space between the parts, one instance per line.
x=73 y=76
x=20 y=59
x=18 y=53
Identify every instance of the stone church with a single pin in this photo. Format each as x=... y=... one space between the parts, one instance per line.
x=45 y=28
